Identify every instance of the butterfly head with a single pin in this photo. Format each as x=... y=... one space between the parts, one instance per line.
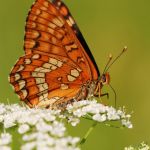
x=105 y=79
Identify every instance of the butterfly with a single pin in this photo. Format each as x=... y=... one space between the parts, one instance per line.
x=58 y=66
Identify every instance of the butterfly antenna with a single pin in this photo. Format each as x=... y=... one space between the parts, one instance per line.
x=114 y=94
x=124 y=49
x=108 y=62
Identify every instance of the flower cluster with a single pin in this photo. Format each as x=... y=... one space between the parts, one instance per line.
x=5 y=140
x=97 y=112
x=45 y=129
x=40 y=128
x=142 y=146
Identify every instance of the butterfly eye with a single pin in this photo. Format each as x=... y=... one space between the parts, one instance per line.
x=103 y=78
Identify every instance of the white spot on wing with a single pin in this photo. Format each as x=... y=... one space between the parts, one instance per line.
x=17 y=76
x=64 y=86
x=69 y=47
x=43 y=87
x=41 y=69
x=38 y=74
x=48 y=101
x=43 y=96
x=71 y=20
x=36 y=56
x=75 y=73
x=59 y=64
x=57 y=22
x=50 y=30
x=47 y=65
x=71 y=78
x=21 y=67
x=22 y=84
x=40 y=80
x=61 y=20
x=24 y=93
x=59 y=79
x=51 y=25
x=53 y=67
x=59 y=3
x=69 y=23
x=79 y=69
x=53 y=61
x=27 y=61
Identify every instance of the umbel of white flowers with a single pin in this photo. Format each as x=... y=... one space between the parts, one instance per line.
x=141 y=146
x=45 y=129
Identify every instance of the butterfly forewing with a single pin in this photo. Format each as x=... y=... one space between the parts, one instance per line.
x=55 y=65
x=62 y=8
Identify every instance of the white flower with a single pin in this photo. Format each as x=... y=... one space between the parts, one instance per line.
x=42 y=126
x=1 y=118
x=9 y=121
x=58 y=129
x=2 y=109
x=5 y=148
x=28 y=146
x=112 y=114
x=141 y=146
x=50 y=141
x=129 y=148
x=99 y=118
x=78 y=113
x=23 y=128
x=30 y=137
x=45 y=129
x=74 y=140
x=73 y=120
x=49 y=117
x=5 y=139
x=96 y=111
x=127 y=123
x=144 y=146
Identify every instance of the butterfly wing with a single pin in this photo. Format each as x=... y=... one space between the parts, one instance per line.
x=42 y=80
x=55 y=65
x=63 y=9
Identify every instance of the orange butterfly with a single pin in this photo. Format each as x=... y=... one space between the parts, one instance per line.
x=58 y=66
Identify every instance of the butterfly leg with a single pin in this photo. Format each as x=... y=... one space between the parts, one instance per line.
x=100 y=92
x=97 y=90
x=99 y=87
x=105 y=94
x=101 y=95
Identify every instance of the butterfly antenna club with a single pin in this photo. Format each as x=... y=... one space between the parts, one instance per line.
x=109 y=65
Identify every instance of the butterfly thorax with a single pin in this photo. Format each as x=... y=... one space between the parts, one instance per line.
x=89 y=88
x=93 y=87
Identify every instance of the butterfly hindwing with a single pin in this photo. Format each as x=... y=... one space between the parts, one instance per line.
x=38 y=78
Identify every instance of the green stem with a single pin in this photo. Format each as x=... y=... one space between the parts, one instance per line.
x=83 y=140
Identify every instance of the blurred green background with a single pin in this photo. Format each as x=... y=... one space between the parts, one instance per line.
x=107 y=27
